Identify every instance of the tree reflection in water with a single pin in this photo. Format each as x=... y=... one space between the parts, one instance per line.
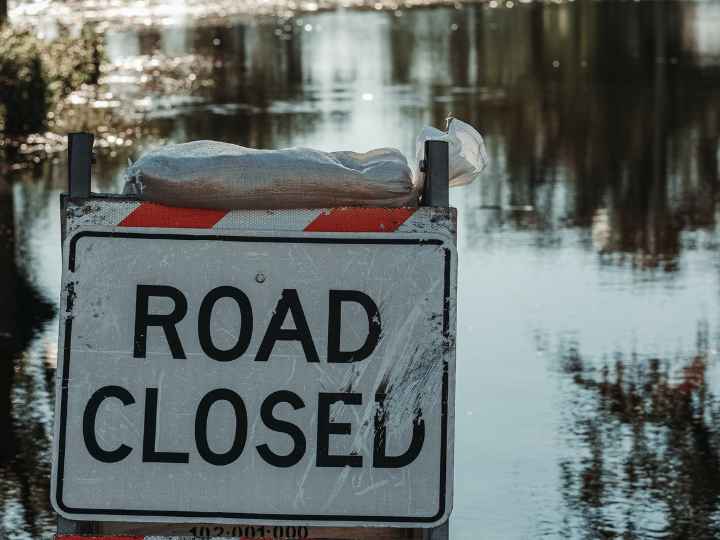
x=26 y=390
x=643 y=446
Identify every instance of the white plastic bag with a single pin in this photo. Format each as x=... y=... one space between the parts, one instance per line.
x=211 y=174
x=466 y=150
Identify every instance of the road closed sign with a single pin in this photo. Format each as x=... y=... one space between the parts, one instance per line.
x=256 y=374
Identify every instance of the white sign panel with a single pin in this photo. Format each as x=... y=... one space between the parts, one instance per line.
x=256 y=378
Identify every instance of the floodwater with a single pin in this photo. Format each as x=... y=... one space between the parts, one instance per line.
x=589 y=292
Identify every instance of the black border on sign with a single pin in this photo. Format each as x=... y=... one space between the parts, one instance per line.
x=240 y=515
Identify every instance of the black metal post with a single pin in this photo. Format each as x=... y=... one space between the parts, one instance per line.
x=437 y=171
x=436 y=192
x=79 y=163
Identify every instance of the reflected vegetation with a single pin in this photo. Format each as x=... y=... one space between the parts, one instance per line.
x=643 y=445
x=616 y=134
x=26 y=388
x=602 y=121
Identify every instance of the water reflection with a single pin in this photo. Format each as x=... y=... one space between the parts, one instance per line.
x=611 y=132
x=26 y=387
x=644 y=445
x=597 y=219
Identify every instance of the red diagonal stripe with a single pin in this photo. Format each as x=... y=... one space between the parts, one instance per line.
x=158 y=215
x=360 y=220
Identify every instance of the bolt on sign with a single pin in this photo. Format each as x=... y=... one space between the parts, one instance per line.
x=291 y=366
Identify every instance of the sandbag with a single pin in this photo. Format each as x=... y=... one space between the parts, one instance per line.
x=211 y=174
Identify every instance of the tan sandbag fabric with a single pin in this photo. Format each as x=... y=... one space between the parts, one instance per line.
x=211 y=174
